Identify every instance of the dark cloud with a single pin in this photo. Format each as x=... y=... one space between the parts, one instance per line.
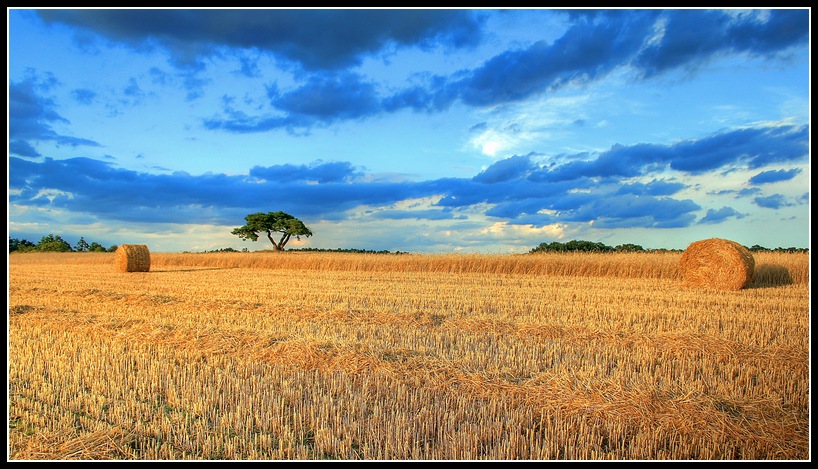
x=22 y=148
x=691 y=38
x=504 y=170
x=327 y=43
x=768 y=177
x=774 y=201
x=84 y=96
x=318 y=171
x=249 y=67
x=240 y=122
x=91 y=186
x=782 y=29
x=31 y=115
x=329 y=97
x=517 y=189
x=590 y=49
x=619 y=161
x=322 y=99
x=688 y=37
x=654 y=188
x=715 y=216
x=749 y=191
x=98 y=187
x=538 y=201
x=133 y=90
x=437 y=94
x=585 y=52
x=194 y=84
x=630 y=210
x=318 y=39
x=754 y=147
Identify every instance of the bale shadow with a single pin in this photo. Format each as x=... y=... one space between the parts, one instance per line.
x=770 y=275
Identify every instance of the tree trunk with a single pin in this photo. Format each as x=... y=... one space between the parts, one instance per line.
x=276 y=246
x=284 y=238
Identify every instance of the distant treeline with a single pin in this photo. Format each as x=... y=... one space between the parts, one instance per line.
x=590 y=246
x=55 y=243
x=353 y=250
x=350 y=250
x=585 y=246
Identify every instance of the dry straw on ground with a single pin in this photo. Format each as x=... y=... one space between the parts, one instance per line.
x=382 y=357
x=717 y=263
x=133 y=258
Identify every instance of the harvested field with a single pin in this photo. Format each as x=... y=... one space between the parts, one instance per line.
x=316 y=356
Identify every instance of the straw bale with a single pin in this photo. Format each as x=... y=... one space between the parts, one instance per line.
x=718 y=264
x=133 y=258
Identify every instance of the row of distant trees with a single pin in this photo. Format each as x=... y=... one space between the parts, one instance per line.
x=757 y=248
x=585 y=246
x=590 y=246
x=346 y=250
x=55 y=243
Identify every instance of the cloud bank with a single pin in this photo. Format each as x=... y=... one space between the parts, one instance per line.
x=650 y=43
x=599 y=188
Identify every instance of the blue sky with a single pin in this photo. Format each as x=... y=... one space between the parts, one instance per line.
x=439 y=130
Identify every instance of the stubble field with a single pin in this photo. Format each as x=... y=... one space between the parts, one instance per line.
x=302 y=356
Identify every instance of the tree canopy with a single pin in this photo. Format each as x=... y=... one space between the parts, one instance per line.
x=55 y=243
x=270 y=223
x=574 y=246
x=585 y=246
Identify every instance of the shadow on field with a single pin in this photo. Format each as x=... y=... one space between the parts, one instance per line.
x=194 y=269
x=770 y=275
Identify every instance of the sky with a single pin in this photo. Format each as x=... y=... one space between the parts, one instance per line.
x=412 y=130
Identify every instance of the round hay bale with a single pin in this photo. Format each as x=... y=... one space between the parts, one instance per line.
x=133 y=258
x=718 y=264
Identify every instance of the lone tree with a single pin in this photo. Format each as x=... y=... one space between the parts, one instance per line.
x=272 y=222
